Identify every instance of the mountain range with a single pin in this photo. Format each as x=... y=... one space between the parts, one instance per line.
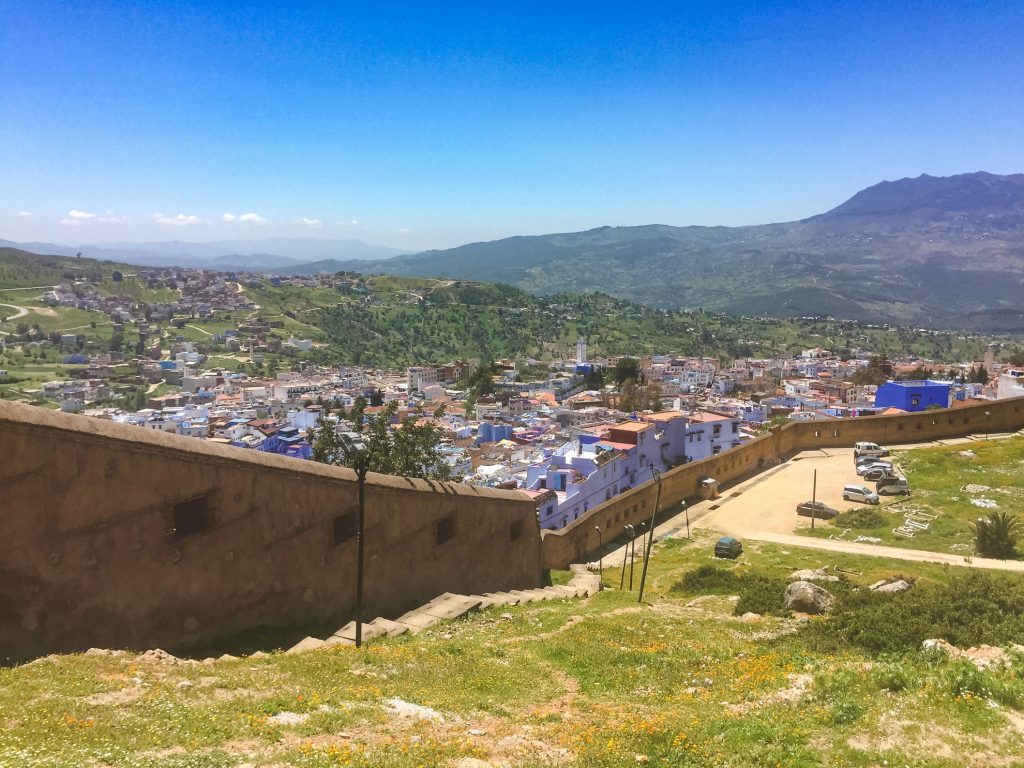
x=942 y=252
x=289 y=254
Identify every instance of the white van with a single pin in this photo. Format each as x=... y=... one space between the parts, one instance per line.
x=860 y=493
x=869 y=449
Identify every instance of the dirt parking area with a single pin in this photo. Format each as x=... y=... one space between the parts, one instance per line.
x=769 y=503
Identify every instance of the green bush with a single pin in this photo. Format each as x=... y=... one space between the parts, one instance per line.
x=707 y=580
x=969 y=610
x=758 y=593
x=841 y=691
x=894 y=676
x=864 y=517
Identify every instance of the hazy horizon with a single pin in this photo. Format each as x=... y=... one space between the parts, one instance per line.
x=420 y=127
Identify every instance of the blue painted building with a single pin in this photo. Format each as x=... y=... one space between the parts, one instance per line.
x=913 y=396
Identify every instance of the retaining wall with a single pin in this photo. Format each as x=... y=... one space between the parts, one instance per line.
x=114 y=536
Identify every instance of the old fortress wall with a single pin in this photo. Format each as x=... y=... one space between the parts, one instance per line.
x=114 y=536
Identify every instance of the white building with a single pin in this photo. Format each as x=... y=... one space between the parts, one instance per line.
x=581 y=350
x=1011 y=384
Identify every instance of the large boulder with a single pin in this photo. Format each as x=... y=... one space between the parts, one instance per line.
x=893 y=587
x=805 y=597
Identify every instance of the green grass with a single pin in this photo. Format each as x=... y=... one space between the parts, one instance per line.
x=603 y=679
x=939 y=478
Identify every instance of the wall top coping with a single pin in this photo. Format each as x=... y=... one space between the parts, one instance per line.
x=16 y=416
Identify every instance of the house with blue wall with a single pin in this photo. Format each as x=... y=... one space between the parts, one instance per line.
x=913 y=396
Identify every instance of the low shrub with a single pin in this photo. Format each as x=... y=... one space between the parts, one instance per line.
x=969 y=610
x=894 y=676
x=758 y=593
x=864 y=517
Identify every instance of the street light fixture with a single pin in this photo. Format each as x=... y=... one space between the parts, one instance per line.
x=987 y=414
x=625 y=553
x=357 y=452
x=650 y=538
x=600 y=558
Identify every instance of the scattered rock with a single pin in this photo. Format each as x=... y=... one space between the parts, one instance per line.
x=159 y=656
x=227 y=657
x=805 y=597
x=967 y=454
x=506 y=615
x=183 y=684
x=476 y=732
x=809 y=574
x=288 y=718
x=878 y=584
x=259 y=655
x=975 y=488
x=893 y=587
x=641 y=758
x=749 y=616
x=104 y=652
x=983 y=656
x=413 y=711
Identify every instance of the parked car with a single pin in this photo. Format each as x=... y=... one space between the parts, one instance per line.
x=867 y=466
x=860 y=493
x=728 y=547
x=869 y=449
x=877 y=473
x=892 y=486
x=818 y=509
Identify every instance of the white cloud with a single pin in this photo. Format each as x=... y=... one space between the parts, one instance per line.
x=76 y=214
x=252 y=218
x=229 y=217
x=181 y=220
x=314 y=223
x=403 y=230
x=110 y=218
x=25 y=214
x=71 y=222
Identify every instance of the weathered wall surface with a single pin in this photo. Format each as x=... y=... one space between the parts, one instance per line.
x=90 y=554
x=574 y=542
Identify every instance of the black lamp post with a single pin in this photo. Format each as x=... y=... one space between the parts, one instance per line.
x=650 y=538
x=625 y=553
x=357 y=452
x=600 y=558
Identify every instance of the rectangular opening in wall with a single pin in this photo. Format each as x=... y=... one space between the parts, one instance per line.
x=191 y=517
x=515 y=531
x=345 y=527
x=445 y=529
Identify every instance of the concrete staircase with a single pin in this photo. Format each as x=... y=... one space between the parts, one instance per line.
x=451 y=606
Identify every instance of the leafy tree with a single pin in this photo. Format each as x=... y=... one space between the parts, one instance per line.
x=627 y=368
x=117 y=277
x=410 y=449
x=594 y=379
x=996 y=534
x=979 y=375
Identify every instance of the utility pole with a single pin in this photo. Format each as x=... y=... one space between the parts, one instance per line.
x=650 y=537
x=600 y=558
x=814 y=497
x=356 y=450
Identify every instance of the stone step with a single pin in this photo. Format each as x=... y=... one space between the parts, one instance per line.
x=335 y=640
x=502 y=598
x=579 y=568
x=417 y=621
x=562 y=591
x=526 y=595
x=306 y=644
x=450 y=606
x=390 y=628
x=485 y=602
x=348 y=632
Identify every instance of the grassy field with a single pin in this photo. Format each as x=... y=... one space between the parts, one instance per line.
x=949 y=482
x=600 y=682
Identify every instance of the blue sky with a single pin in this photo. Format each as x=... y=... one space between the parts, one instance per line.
x=428 y=125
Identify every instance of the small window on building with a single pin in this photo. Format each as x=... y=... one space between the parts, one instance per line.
x=915 y=399
x=344 y=527
x=515 y=531
x=735 y=427
x=191 y=517
x=446 y=529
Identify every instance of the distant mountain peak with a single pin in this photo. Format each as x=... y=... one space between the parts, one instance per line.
x=965 y=192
